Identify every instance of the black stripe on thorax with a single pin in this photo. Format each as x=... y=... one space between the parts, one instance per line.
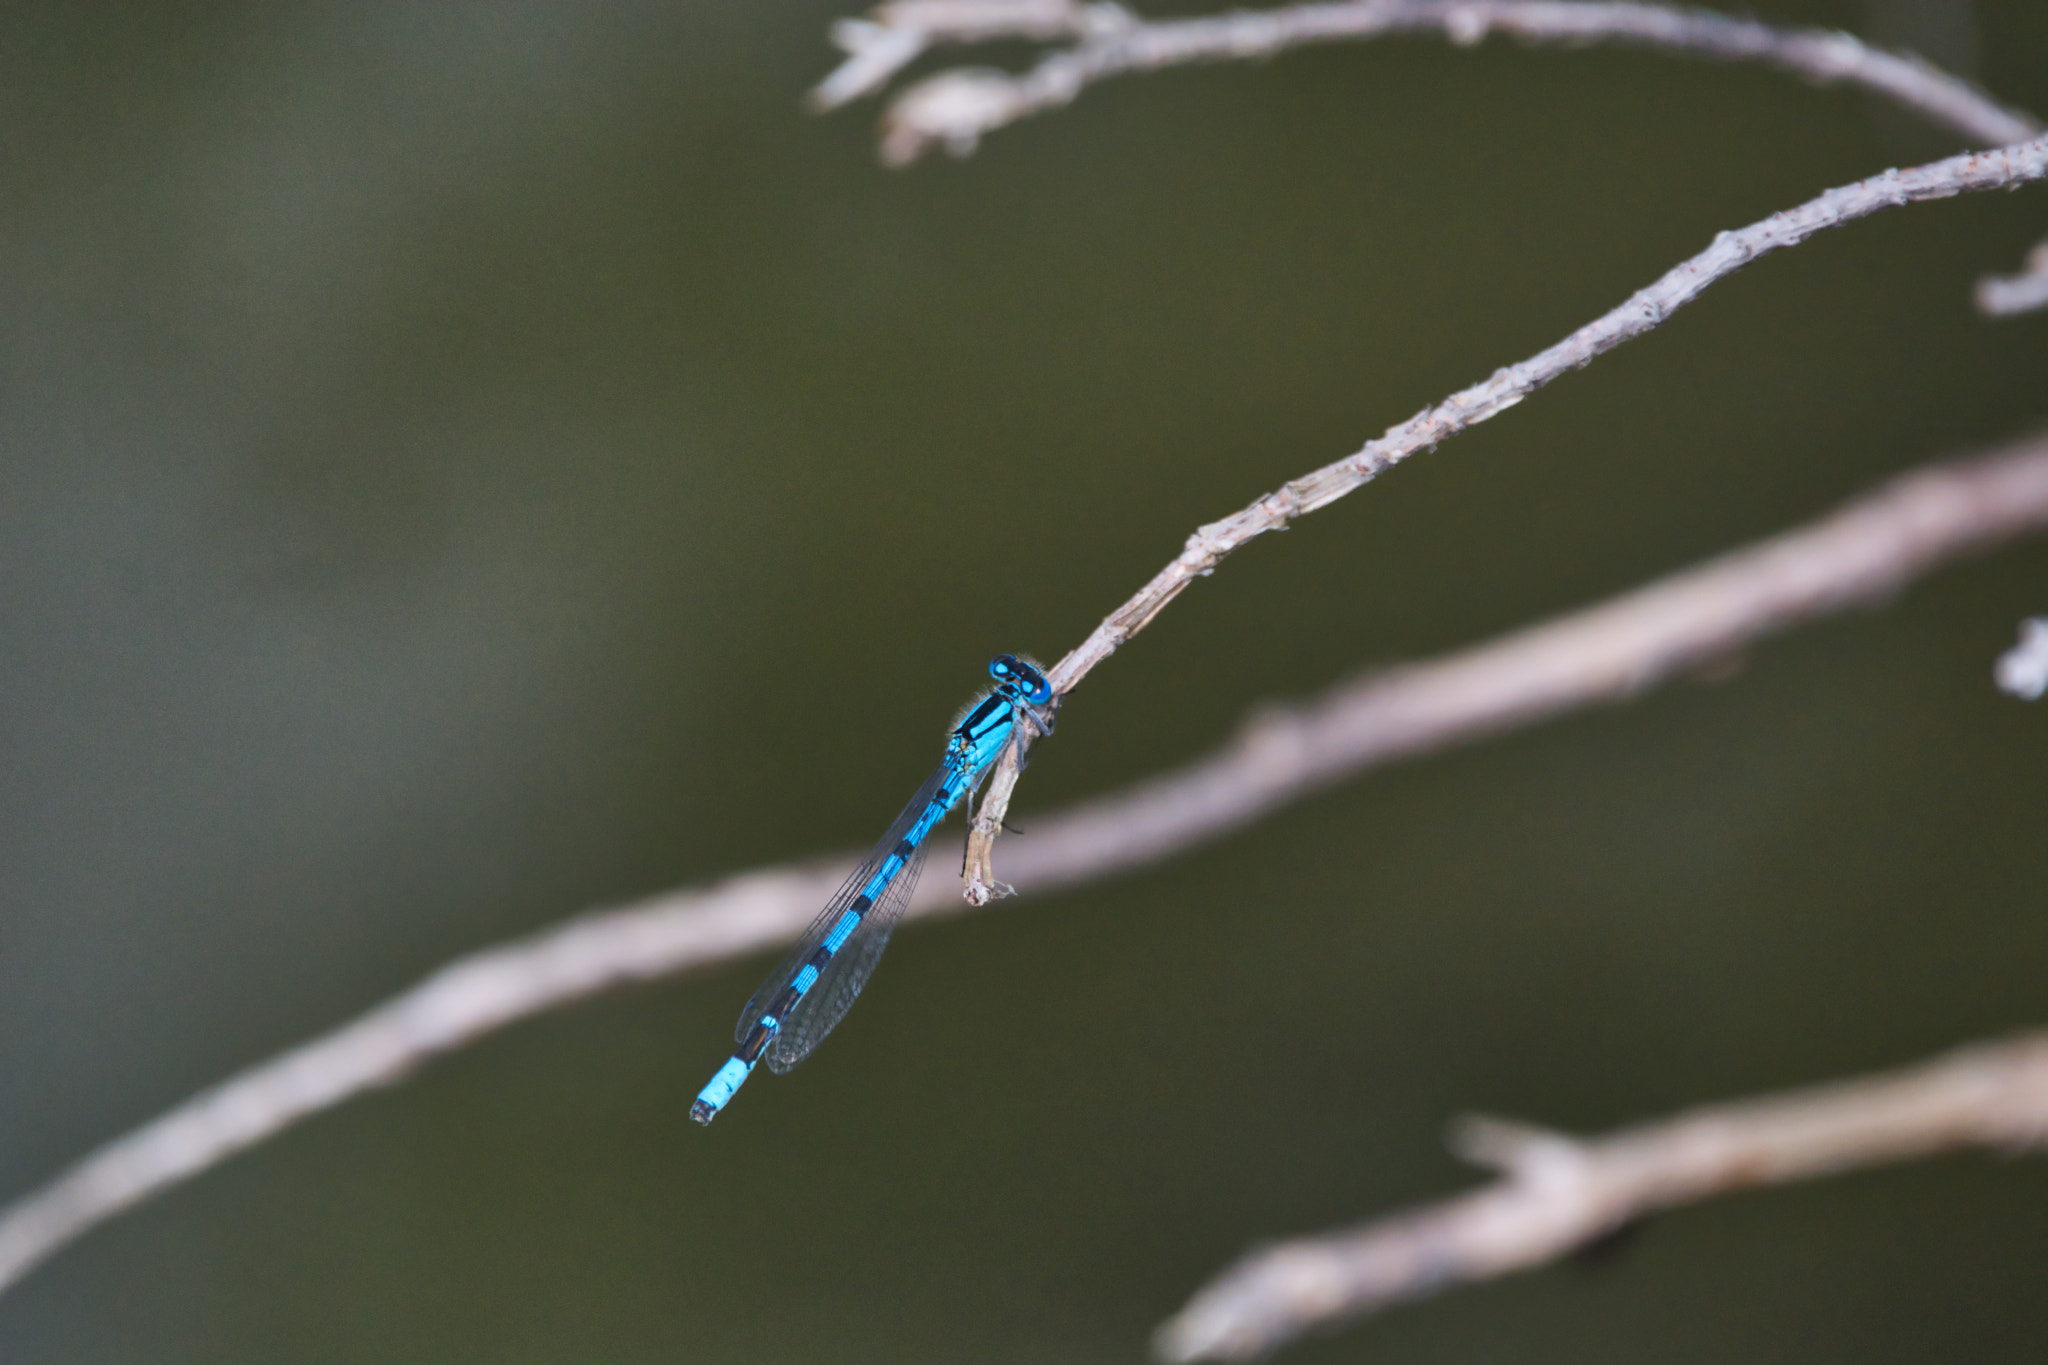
x=977 y=722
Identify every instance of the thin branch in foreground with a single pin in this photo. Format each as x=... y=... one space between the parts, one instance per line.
x=955 y=109
x=2004 y=296
x=2003 y=168
x=1559 y=1193
x=1859 y=555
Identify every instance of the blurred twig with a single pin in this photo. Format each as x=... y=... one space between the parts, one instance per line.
x=1858 y=555
x=1558 y=1193
x=1647 y=308
x=2022 y=671
x=2024 y=292
x=955 y=109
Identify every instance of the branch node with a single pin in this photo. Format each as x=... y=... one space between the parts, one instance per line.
x=1107 y=20
x=1521 y=1151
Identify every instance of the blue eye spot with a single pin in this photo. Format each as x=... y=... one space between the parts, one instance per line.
x=1026 y=682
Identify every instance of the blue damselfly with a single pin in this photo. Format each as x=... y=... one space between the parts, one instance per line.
x=805 y=997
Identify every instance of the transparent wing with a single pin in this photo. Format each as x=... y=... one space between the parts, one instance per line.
x=837 y=987
x=821 y=927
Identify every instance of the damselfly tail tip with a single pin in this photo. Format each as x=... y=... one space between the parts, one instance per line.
x=703 y=1113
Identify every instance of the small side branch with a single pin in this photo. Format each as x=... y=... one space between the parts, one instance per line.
x=2004 y=296
x=1558 y=1193
x=2022 y=671
x=897 y=33
x=1643 y=311
x=955 y=109
x=1860 y=554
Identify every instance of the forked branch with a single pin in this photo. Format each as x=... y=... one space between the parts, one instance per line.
x=1557 y=1192
x=955 y=109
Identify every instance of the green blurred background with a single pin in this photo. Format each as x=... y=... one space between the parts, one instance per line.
x=466 y=464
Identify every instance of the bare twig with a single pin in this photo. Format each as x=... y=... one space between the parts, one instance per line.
x=2023 y=670
x=1559 y=1192
x=955 y=109
x=1646 y=309
x=2003 y=296
x=1860 y=554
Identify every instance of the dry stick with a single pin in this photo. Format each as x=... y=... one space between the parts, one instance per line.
x=2002 y=168
x=1860 y=554
x=955 y=109
x=1559 y=1193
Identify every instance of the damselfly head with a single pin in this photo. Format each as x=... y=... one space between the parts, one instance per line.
x=1020 y=679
